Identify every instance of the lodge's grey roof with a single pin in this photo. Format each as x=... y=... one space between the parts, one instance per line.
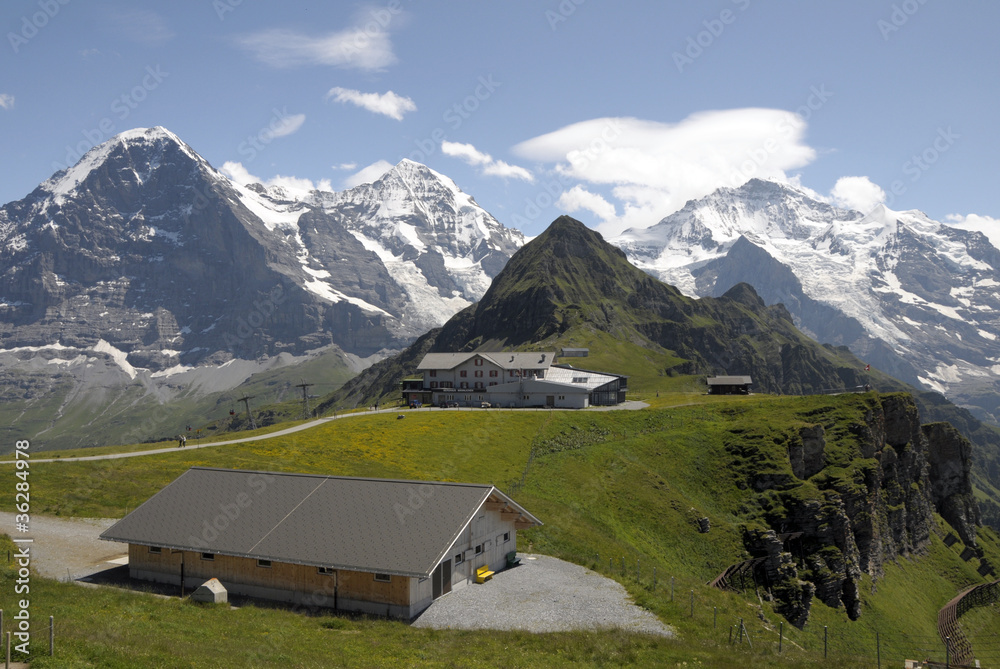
x=376 y=525
x=575 y=376
x=503 y=360
x=729 y=380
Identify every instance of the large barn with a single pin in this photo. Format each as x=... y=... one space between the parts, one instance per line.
x=380 y=546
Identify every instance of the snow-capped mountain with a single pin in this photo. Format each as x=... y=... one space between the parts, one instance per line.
x=441 y=247
x=144 y=250
x=913 y=296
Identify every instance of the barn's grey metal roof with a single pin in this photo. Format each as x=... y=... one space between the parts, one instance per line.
x=500 y=359
x=729 y=380
x=375 y=525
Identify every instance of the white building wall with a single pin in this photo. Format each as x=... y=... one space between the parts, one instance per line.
x=487 y=529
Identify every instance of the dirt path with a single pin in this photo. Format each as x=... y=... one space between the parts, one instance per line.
x=631 y=405
x=66 y=548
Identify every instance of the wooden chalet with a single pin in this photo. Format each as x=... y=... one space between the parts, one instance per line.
x=729 y=385
x=380 y=546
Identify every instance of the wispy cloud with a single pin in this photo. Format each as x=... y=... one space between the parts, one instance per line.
x=651 y=168
x=287 y=125
x=388 y=103
x=987 y=225
x=143 y=26
x=489 y=166
x=579 y=198
x=367 y=175
x=6 y=101
x=352 y=48
x=295 y=185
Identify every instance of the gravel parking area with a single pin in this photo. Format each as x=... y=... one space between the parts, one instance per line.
x=67 y=548
x=542 y=594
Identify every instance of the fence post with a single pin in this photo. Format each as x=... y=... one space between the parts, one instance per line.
x=52 y=635
x=8 y=650
x=730 y=635
x=715 y=617
x=692 y=603
x=740 y=631
x=654 y=578
x=623 y=565
x=637 y=569
x=824 y=642
x=781 y=633
x=878 y=650
x=947 y=649
x=671 y=588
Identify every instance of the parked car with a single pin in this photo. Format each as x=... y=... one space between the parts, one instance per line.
x=450 y=404
x=484 y=405
x=415 y=405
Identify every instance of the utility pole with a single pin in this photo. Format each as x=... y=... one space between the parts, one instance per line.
x=246 y=402
x=305 y=398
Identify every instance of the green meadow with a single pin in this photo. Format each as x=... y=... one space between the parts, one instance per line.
x=613 y=488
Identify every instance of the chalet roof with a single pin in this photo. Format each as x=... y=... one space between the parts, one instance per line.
x=578 y=377
x=729 y=381
x=375 y=525
x=503 y=360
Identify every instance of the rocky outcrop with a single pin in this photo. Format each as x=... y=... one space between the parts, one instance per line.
x=808 y=455
x=950 y=458
x=853 y=519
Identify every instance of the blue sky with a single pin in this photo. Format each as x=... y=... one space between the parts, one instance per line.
x=614 y=112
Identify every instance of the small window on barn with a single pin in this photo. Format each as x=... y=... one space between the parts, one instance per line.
x=383 y=578
x=434 y=372
x=207 y=556
x=325 y=571
x=463 y=373
x=506 y=537
x=155 y=550
x=459 y=559
x=479 y=549
x=264 y=563
x=479 y=362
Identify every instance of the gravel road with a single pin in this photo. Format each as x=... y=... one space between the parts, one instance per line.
x=67 y=547
x=543 y=594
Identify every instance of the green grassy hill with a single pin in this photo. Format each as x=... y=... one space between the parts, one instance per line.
x=610 y=487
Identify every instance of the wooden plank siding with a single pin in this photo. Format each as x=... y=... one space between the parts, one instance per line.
x=281 y=581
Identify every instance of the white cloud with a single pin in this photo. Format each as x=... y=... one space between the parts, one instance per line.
x=346 y=166
x=490 y=167
x=294 y=185
x=858 y=193
x=388 y=103
x=352 y=48
x=984 y=224
x=287 y=125
x=465 y=152
x=653 y=168
x=579 y=198
x=6 y=101
x=367 y=175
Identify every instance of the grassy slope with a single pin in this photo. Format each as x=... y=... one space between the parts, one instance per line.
x=67 y=419
x=614 y=485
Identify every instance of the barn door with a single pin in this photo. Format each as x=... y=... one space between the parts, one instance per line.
x=550 y=400
x=446 y=577
x=436 y=582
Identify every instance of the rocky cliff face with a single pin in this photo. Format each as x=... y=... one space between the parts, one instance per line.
x=839 y=522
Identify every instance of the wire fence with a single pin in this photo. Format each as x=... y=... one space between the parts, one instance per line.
x=879 y=648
